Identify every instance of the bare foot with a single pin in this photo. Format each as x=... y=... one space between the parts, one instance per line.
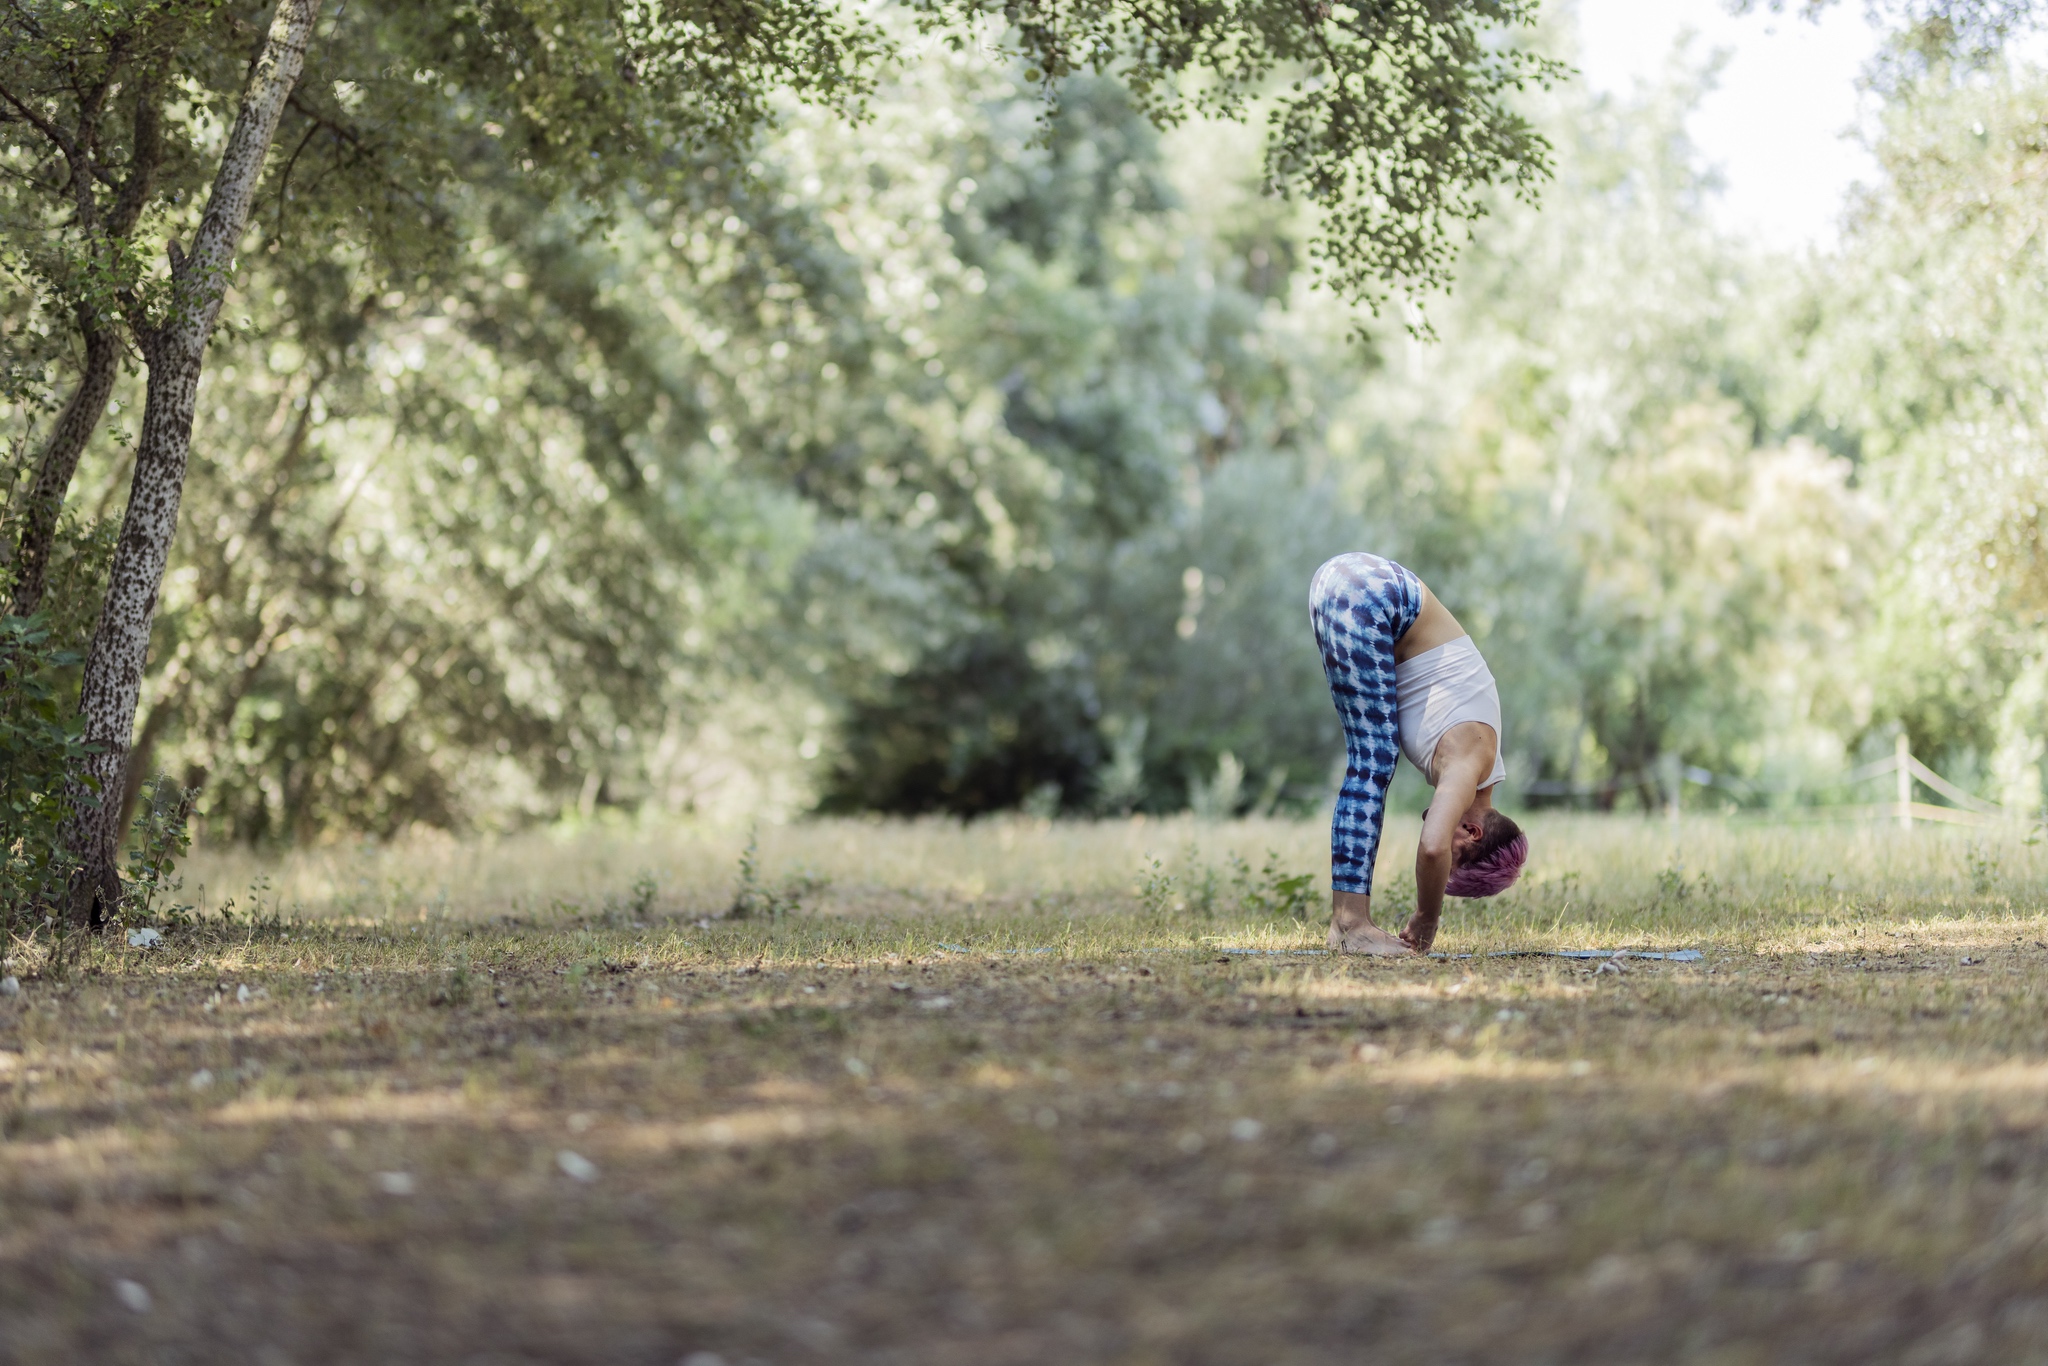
x=1367 y=938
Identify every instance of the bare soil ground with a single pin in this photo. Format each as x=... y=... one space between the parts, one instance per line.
x=605 y=1132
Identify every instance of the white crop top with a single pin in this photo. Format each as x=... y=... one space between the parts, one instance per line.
x=1436 y=690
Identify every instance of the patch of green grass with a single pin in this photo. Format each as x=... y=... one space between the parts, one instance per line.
x=505 y=1103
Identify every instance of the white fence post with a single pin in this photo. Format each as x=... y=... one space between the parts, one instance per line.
x=1905 y=761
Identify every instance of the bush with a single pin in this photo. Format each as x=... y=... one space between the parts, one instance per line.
x=41 y=737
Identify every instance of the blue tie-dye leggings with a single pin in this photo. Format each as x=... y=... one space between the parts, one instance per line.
x=1361 y=605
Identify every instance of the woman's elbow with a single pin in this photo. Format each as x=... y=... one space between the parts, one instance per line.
x=1433 y=850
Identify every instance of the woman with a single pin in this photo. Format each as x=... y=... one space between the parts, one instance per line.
x=1407 y=679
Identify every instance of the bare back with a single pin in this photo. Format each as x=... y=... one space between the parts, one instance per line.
x=1469 y=744
x=1433 y=626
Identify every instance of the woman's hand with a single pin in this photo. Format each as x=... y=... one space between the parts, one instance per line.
x=1420 y=931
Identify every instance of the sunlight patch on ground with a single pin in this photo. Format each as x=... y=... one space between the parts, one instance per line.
x=779 y=1124
x=367 y=1107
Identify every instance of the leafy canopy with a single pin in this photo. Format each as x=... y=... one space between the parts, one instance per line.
x=114 y=112
x=1392 y=117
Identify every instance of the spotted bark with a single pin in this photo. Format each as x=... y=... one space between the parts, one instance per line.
x=173 y=350
x=59 y=461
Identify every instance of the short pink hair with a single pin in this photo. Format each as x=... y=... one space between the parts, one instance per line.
x=1494 y=871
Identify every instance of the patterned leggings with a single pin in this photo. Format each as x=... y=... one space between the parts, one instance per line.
x=1361 y=605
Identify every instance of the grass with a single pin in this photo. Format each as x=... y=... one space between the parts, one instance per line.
x=538 y=1101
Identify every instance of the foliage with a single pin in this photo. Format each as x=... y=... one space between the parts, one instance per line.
x=1156 y=890
x=422 y=153
x=1935 y=31
x=39 y=738
x=41 y=733
x=1588 y=470
x=753 y=899
x=1273 y=893
x=162 y=834
x=702 y=74
x=521 y=585
x=1003 y=463
x=1396 y=118
x=966 y=460
x=1924 y=347
x=1150 y=438
x=400 y=107
x=1270 y=895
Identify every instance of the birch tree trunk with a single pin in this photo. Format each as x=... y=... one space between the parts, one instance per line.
x=174 y=350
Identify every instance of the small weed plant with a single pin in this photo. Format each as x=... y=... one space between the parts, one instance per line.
x=1273 y=893
x=754 y=899
x=160 y=836
x=1270 y=894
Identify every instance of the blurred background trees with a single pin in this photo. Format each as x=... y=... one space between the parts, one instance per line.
x=960 y=461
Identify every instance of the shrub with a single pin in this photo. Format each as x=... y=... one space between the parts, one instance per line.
x=41 y=736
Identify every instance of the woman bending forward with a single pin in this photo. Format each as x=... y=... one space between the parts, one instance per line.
x=1408 y=680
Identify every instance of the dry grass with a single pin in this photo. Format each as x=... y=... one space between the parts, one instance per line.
x=514 y=1104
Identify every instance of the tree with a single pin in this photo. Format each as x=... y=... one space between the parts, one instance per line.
x=1392 y=117
x=1400 y=114
x=1924 y=344
x=1592 y=470
x=1973 y=30
x=590 y=101
x=468 y=560
x=1002 y=598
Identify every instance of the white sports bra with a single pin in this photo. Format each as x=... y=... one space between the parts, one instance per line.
x=1436 y=690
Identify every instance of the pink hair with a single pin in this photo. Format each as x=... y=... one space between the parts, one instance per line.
x=1493 y=874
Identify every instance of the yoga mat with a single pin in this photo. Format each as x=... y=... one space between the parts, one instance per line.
x=1666 y=955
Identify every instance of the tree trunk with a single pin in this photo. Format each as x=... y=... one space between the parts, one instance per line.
x=174 y=350
x=81 y=416
x=59 y=462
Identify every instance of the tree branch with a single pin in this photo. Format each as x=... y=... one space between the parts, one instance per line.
x=65 y=142
x=59 y=462
x=143 y=163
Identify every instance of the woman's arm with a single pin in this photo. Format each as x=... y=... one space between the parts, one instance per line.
x=1464 y=759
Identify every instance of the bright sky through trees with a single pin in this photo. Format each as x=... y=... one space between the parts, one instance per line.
x=1783 y=120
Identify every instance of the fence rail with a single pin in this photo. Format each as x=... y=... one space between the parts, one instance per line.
x=1968 y=809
